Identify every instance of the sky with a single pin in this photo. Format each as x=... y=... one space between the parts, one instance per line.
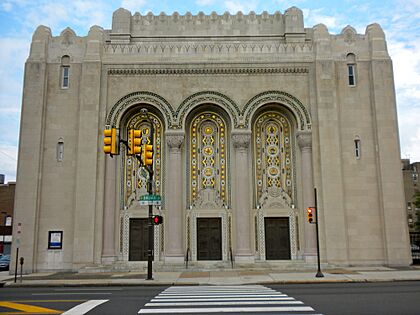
x=400 y=20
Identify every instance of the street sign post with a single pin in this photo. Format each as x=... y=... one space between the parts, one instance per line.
x=150 y=200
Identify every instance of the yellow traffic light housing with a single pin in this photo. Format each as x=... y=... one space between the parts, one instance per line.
x=110 y=141
x=134 y=141
x=147 y=154
x=310 y=211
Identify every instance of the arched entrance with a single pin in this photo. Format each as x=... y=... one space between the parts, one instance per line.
x=208 y=216
x=274 y=184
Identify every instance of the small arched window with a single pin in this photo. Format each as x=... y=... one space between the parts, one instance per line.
x=65 y=72
x=351 y=69
x=357 y=147
x=60 y=150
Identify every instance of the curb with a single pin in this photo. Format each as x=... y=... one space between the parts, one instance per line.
x=96 y=284
x=151 y=284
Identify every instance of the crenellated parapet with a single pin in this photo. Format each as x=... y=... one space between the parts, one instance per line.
x=51 y=49
x=371 y=45
x=249 y=37
x=126 y=26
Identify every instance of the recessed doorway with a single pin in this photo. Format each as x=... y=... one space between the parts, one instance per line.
x=277 y=238
x=139 y=240
x=209 y=239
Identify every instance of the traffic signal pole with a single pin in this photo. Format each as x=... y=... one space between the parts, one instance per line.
x=151 y=226
x=150 y=192
x=319 y=272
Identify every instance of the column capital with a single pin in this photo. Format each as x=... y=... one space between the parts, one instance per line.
x=241 y=138
x=304 y=139
x=174 y=138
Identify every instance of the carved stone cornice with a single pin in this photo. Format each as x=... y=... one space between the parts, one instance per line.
x=174 y=139
x=304 y=139
x=196 y=71
x=241 y=138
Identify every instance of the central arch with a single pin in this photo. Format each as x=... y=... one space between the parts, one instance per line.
x=302 y=115
x=207 y=97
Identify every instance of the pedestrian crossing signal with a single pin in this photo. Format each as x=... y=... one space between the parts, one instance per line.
x=157 y=219
x=310 y=214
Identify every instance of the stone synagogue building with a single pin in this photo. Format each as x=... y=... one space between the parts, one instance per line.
x=250 y=113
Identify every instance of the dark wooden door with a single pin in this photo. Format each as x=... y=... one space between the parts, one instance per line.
x=139 y=238
x=277 y=238
x=209 y=239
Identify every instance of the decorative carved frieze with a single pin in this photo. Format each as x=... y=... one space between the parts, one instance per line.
x=293 y=70
x=179 y=48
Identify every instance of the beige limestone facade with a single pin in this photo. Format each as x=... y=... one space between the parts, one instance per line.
x=250 y=113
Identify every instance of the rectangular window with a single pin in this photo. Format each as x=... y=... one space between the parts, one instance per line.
x=357 y=148
x=65 y=77
x=352 y=76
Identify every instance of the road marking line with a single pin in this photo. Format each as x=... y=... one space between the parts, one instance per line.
x=195 y=288
x=88 y=289
x=180 y=288
x=84 y=307
x=227 y=310
x=45 y=301
x=220 y=296
x=218 y=293
x=28 y=308
x=74 y=293
x=225 y=299
x=224 y=303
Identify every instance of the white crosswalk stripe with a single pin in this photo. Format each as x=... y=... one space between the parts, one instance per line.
x=224 y=299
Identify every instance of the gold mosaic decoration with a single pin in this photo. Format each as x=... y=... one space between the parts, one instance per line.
x=273 y=154
x=208 y=154
x=134 y=178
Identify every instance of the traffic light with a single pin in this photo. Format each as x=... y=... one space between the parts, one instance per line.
x=157 y=219
x=110 y=141
x=134 y=142
x=310 y=214
x=147 y=154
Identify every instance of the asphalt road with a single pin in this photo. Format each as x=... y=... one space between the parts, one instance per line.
x=329 y=299
x=393 y=298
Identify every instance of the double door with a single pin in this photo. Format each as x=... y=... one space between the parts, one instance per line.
x=277 y=238
x=209 y=239
x=139 y=240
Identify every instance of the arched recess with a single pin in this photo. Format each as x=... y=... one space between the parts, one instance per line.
x=207 y=97
x=274 y=172
x=133 y=180
x=124 y=104
x=208 y=128
x=300 y=112
x=135 y=183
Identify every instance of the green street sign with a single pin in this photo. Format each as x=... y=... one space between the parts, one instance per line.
x=146 y=200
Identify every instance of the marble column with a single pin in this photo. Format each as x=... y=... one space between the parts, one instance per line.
x=173 y=198
x=242 y=205
x=108 y=232
x=304 y=139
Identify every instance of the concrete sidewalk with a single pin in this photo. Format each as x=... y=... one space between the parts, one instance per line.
x=219 y=277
